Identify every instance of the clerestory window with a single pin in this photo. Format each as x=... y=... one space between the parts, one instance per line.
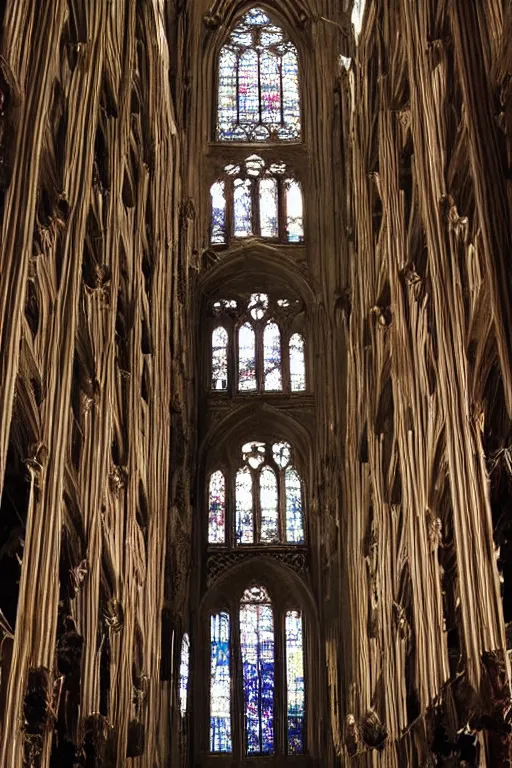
x=260 y=635
x=259 y=502
x=257 y=345
x=258 y=83
x=252 y=198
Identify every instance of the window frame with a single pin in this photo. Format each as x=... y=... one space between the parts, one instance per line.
x=230 y=26
x=289 y=600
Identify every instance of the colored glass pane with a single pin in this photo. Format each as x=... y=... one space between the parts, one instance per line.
x=242 y=208
x=218 y=231
x=220 y=684
x=246 y=358
x=268 y=208
x=269 y=526
x=248 y=92
x=217 y=509
x=294 y=515
x=244 y=507
x=295 y=700
x=291 y=105
x=220 y=358
x=258 y=97
x=294 y=212
x=227 y=111
x=270 y=66
x=297 y=363
x=184 y=672
x=257 y=651
x=282 y=454
x=272 y=357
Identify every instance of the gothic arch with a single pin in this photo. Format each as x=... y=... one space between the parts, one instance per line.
x=264 y=422
x=252 y=263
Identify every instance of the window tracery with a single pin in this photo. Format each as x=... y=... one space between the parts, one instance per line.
x=268 y=498
x=257 y=345
x=258 y=83
x=258 y=629
x=253 y=199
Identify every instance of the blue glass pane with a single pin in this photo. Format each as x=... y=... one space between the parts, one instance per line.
x=217 y=509
x=220 y=358
x=257 y=650
x=218 y=229
x=220 y=684
x=246 y=358
x=295 y=682
x=244 y=507
x=294 y=516
x=184 y=671
x=269 y=506
x=291 y=103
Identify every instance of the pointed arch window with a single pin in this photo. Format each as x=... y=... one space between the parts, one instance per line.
x=255 y=341
x=268 y=499
x=256 y=198
x=258 y=85
x=271 y=692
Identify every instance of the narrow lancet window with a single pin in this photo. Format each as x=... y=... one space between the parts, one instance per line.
x=220 y=341
x=184 y=673
x=297 y=363
x=246 y=358
x=243 y=207
x=220 y=684
x=294 y=212
x=257 y=650
x=218 y=231
x=269 y=532
x=244 y=507
x=268 y=208
x=295 y=682
x=258 y=95
x=217 y=509
x=272 y=358
x=294 y=514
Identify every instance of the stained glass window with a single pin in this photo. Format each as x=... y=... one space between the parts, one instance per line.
x=272 y=357
x=246 y=358
x=258 y=98
x=294 y=515
x=268 y=208
x=257 y=650
x=295 y=682
x=220 y=684
x=297 y=363
x=244 y=507
x=218 y=230
x=243 y=207
x=217 y=509
x=269 y=531
x=184 y=671
x=294 y=212
x=255 y=188
x=220 y=358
